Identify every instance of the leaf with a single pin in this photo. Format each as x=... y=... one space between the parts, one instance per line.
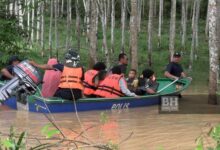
x=51 y=133
x=22 y=136
x=8 y=144
x=199 y=143
x=45 y=128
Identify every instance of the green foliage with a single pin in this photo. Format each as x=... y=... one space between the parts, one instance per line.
x=12 y=142
x=112 y=146
x=214 y=133
x=48 y=133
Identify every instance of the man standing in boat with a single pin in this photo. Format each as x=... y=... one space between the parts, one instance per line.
x=174 y=70
x=70 y=86
x=123 y=63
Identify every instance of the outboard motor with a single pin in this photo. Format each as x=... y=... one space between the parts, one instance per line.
x=26 y=80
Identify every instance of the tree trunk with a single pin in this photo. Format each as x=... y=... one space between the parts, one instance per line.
x=62 y=8
x=42 y=28
x=32 y=22
x=207 y=23
x=123 y=20
x=20 y=14
x=134 y=34
x=172 y=28
x=102 y=9
x=155 y=8
x=213 y=51
x=56 y=27
x=78 y=29
x=38 y=21
x=93 y=35
x=160 y=23
x=50 y=29
x=183 y=24
x=139 y=14
x=68 y=27
x=87 y=4
x=112 y=26
x=150 y=32
x=28 y=16
x=195 y=19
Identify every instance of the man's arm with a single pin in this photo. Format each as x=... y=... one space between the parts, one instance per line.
x=183 y=74
x=150 y=91
x=168 y=75
x=124 y=89
x=43 y=66
x=6 y=73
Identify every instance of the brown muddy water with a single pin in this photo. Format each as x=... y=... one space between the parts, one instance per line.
x=147 y=128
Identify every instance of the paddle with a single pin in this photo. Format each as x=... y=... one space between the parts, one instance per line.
x=168 y=85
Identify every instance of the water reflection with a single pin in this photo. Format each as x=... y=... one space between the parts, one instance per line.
x=150 y=129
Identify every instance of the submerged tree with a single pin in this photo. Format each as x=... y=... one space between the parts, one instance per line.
x=150 y=32
x=172 y=28
x=134 y=34
x=213 y=51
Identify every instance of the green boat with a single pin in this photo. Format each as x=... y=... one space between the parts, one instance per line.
x=36 y=103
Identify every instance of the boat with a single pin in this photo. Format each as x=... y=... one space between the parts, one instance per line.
x=36 y=103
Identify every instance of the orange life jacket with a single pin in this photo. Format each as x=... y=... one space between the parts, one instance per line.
x=89 y=86
x=109 y=87
x=71 y=78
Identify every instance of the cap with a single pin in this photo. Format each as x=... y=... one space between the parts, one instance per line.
x=12 y=59
x=177 y=54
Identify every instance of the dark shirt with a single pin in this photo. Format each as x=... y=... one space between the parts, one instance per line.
x=10 y=70
x=174 y=69
x=123 y=68
x=60 y=67
x=144 y=84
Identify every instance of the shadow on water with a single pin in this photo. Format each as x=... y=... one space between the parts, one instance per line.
x=151 y=129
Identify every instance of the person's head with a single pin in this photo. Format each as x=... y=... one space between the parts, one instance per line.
x=14 y=60
x=132 y=74
x=72 y=58
x=99 y=66
x=116 y=70
x=176 y=57
x=123 y=59
x=148 y=74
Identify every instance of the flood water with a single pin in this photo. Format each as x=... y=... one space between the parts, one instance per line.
x=142 y=128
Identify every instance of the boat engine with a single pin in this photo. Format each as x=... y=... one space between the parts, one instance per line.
x=26 y=80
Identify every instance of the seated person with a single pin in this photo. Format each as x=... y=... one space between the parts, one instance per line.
x=132 y=81
x=51 y=80
x=7 y=72
x=147 y=83
x=92 y=79
x=114 y=85
x=72 y=75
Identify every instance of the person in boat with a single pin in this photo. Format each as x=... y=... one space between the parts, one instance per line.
x=114 y=85
x=7 y=72
x=147 y=83
x=92 y=78
x=123 y=62
x=132 y=80
x=72 y=76
x=51 y=80
x=174 y=69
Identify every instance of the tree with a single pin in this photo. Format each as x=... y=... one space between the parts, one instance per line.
x=50 y=28
x=134 y=34
x=93 y=35
x=56 y=27
x=78 y=29
x=160 y=22
x=213 y=51
x=87 y=7
x=32 y=21
x=123 y=21
x=42 y=27
x=172 y=28
x=183 y=23
x=112 y=26
x=150 y=32
x=103 y=13
x=69 y=24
